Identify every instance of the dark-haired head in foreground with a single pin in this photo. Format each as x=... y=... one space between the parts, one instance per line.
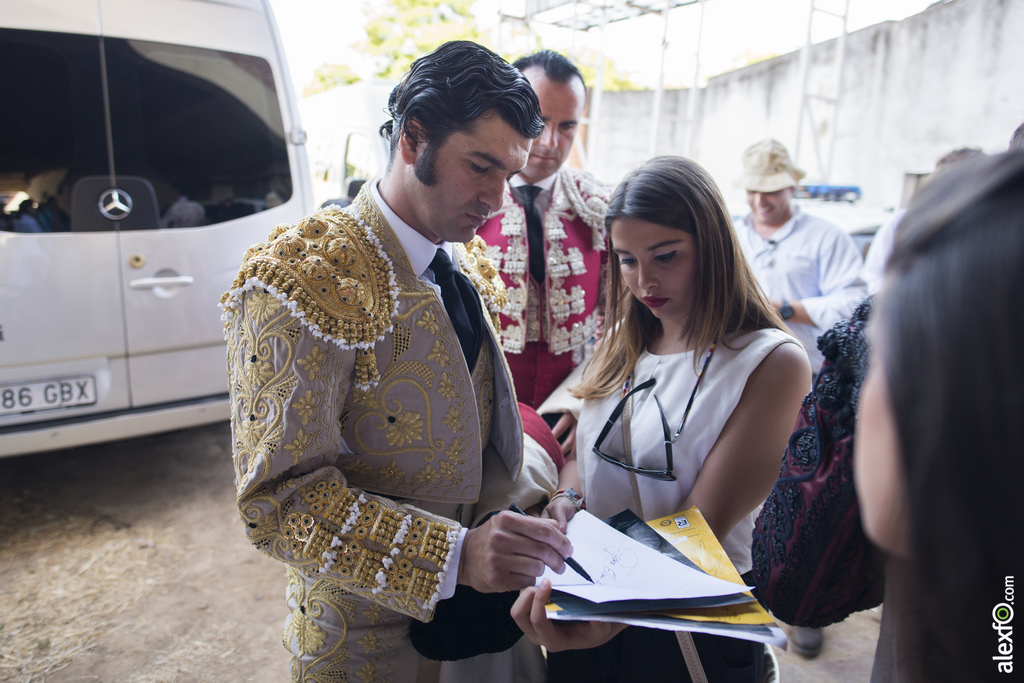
x=939 y=456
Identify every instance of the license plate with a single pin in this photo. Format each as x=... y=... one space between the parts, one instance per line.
x=27 y=397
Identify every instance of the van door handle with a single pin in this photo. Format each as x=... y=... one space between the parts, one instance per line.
x=154 y=282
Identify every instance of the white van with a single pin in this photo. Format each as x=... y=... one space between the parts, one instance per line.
x=344 y=142
x=150 y=143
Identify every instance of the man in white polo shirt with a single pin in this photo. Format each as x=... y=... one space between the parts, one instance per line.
x=809 y=268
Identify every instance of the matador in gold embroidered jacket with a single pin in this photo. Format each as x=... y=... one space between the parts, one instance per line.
x=353 y=409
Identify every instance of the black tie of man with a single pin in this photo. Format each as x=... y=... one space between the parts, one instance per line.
x=534 y=231
x=462 y=303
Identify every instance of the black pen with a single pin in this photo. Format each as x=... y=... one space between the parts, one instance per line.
x=573 y=564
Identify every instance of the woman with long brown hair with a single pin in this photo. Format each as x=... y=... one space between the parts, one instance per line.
x=689 y=400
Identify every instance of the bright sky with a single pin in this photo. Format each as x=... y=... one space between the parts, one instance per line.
x=735 y=31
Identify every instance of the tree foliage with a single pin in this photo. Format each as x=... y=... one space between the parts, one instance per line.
x=399 y=31
x=329 y=76
x=614 y=78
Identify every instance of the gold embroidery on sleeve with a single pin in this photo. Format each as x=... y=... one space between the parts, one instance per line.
x=314 y=363
x=331 y=272
x=485 y=277
x=439 y=354
x=405 y=428
x=259 y=391
x=446 y=387
x=308 y=636
x=429 y=322
x=453 y=419
x=307 y=405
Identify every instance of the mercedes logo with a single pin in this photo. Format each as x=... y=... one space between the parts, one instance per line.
x=115 y=204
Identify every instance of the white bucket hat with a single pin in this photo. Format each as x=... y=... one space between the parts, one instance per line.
x=768 y=168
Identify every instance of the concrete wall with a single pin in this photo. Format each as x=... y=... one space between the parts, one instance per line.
x=951 y=76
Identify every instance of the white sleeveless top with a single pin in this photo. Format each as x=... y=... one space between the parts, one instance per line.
x=607 y=488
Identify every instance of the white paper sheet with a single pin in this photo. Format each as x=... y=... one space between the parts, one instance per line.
x=625 y=569
x=775 y=636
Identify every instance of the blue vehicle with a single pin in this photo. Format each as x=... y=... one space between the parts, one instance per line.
x=830 y=193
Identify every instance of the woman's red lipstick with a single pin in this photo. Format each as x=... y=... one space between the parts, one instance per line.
x=655 y=301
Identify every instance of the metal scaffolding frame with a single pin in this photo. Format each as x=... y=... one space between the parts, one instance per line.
x=831 y=101
x=586 y=15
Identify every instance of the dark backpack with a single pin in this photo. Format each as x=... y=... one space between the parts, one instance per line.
x=812 y=562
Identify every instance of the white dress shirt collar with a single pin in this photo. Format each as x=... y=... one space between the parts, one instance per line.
x=546 y=184
x=418 y=249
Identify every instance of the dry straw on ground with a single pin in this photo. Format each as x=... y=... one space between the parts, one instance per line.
x=53 y=610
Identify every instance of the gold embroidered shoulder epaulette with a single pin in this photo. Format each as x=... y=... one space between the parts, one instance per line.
x=331 y=271
x=485 y=277
x=589 y=198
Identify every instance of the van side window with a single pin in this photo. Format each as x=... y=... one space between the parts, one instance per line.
x=51 y=126
x=203 y=126
x=199 y=131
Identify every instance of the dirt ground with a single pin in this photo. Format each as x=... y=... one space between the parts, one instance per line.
x=126 y=562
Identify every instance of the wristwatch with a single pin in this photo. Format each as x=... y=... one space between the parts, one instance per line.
x=786 y=311
x=574 y=498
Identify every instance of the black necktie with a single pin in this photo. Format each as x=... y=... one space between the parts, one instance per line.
x=534 y=231
x=462 y=304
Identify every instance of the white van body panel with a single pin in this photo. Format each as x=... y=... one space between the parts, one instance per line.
x=111 y=384
x=335 y=121
x=61 y=16
x=49 y=437
x=44 y=281
x=132 y=315
x=231 y=25
x=174 y=333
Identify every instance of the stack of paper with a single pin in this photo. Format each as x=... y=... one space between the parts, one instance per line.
x=677 y=579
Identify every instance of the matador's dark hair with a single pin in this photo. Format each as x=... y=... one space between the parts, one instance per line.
x=449 y=89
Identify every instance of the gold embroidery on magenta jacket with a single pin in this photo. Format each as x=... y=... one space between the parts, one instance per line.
x=346 y=378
